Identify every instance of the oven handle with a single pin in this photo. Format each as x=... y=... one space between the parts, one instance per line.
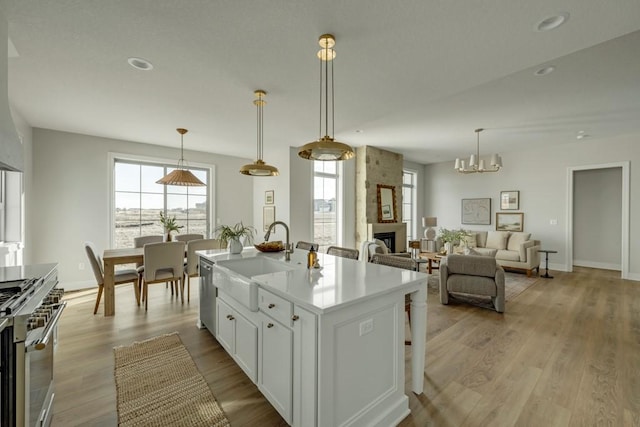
x=41 y=344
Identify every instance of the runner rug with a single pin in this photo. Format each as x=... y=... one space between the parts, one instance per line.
x=158 y=384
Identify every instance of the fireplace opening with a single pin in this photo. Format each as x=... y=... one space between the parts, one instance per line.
x=389 y=239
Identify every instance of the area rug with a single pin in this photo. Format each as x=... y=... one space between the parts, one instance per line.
x=158 y=384
x=514 y=284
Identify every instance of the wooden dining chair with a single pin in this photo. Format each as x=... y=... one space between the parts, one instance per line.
x=120 y=277
x=343 y=252
x=188 y=237
x=163 y=262
x=191 y=267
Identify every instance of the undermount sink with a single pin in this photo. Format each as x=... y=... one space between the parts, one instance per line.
x=234 y=276
x=250 y=267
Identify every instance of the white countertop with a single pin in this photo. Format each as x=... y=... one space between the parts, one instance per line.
x=339 y=282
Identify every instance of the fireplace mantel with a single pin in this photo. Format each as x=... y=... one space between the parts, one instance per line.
x=399 y=228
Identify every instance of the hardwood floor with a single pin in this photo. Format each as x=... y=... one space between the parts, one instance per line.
x=565 y=353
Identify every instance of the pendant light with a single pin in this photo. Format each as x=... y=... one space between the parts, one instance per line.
x=181 y=176
x=259 y=167
x=326 y=148
x=475 y=164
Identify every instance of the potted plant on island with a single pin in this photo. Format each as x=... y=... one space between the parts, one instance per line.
x=449 y=237
x=169 y=224
x=233 y=234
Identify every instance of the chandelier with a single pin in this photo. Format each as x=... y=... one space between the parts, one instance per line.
x=259 y=167
x=326 y=148
x=475 y=163
x=180 y=175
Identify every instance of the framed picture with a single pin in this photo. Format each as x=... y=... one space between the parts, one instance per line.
x=268 y=216
x=509 y=221
x=509 y=200
x=268 y=197
x=476 y=211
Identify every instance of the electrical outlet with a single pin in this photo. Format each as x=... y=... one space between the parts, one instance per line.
x=553 y=221
x=81 y=266
x=366 y=327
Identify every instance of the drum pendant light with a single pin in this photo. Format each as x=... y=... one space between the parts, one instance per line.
x=326 y=147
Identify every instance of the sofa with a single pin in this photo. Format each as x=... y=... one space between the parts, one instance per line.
x=475 y=275
x=512 y=250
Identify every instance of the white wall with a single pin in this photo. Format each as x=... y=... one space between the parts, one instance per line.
x=597 y=204
x=69 y=199
x=541 y=177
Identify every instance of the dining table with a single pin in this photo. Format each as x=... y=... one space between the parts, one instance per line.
x=111 y=258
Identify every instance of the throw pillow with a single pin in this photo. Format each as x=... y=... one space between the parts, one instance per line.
x=497 y=239
x=469 y=241
x=516 y=239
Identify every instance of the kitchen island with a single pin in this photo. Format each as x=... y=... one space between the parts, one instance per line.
x=325 y=346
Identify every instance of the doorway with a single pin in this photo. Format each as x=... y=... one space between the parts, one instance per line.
x=620 y=216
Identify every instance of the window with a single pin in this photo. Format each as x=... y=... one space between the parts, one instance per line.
x=138 y=201
x=409 y=202
x=326 y=204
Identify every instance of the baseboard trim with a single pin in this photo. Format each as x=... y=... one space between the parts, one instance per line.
x=78 y=285
x=634 y=276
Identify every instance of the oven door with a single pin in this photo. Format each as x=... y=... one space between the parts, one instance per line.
x=6 y=368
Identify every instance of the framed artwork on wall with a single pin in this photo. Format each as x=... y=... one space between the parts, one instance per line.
x=268 y=197
x=509 y=221
x=509 y=200
x=476 y=211
x=268 y=216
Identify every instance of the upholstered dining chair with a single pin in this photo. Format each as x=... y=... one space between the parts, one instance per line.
x=191 y=267
x=188 y=237
x=163 y=262
x=398 y=261
x=306 y=246
x=139 y=242
x=120 y=277
x=343 y=252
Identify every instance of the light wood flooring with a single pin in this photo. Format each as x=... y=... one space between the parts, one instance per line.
x=565 y=353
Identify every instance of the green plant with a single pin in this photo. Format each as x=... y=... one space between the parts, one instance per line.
x=227 y=233
x=452 y=235
x=169 y=223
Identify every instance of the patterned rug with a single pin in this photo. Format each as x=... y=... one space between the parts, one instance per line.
x=514 y=284
x=158 y=384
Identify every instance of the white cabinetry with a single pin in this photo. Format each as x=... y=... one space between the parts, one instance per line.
x=276 y=365
x=238 y=336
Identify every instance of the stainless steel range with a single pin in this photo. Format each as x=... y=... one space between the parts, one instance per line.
x=30 y=307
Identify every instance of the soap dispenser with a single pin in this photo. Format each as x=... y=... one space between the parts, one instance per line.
x=312 y=258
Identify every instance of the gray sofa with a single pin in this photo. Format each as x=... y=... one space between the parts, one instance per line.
x=512 y=250
x=472 y=274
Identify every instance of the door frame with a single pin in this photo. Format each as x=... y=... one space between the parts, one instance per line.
x=624 y=207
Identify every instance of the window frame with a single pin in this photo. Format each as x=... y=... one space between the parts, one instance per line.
x=157 y=161
x=412 y=231
x=339 y=176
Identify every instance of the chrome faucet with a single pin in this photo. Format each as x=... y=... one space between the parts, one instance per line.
x=288 y=249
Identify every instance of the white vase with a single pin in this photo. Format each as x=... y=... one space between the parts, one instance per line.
x=448 y=246
x=235 y=246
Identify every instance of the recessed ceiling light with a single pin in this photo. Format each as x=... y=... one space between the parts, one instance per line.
x=140 y=64
x=359 y=131
x=545 y=70
x=582 y=135
x=552 y=22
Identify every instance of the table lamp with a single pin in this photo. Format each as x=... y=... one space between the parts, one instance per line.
x=429 y=222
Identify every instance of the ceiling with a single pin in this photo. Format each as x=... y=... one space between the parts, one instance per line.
x=415 y=77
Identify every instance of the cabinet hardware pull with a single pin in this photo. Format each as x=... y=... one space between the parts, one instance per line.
x=272 y=305
x=269 y=325
x=295 y=317
x=230 y=317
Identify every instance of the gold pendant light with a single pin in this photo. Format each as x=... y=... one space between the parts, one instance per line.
x=326 y=148
x=181 y=176
x=259 y=167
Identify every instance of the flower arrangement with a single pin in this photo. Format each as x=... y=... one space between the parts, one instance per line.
x=228 y=233
x=451 y=236
x=170 y=224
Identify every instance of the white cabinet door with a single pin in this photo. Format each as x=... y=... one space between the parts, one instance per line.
x=225 y=326
x=305 y=367
x=246 y=351
x=276 y=368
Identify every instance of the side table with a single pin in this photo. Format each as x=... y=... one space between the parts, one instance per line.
x=546 y=259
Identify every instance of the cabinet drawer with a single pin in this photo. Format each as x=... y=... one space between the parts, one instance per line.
x=274 y=306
